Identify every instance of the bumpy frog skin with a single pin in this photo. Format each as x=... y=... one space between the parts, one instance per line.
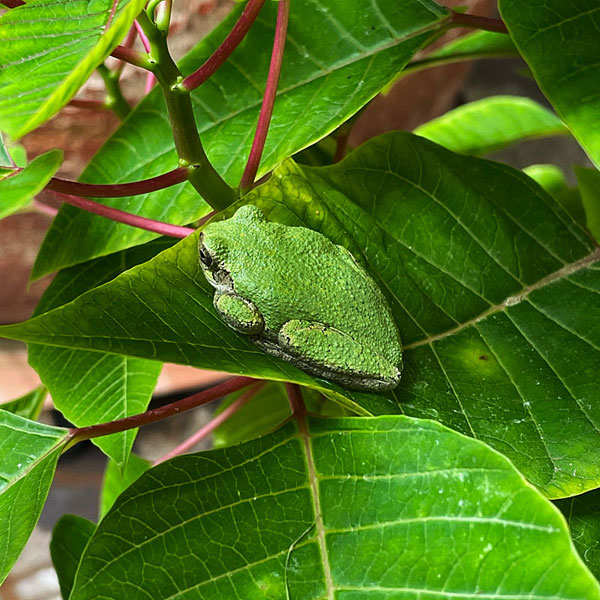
x=302 y=298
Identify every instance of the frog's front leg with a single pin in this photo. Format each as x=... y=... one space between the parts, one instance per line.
x=330 y=353
x=240 y=314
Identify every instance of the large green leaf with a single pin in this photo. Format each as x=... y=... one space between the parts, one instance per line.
x=48 y=48
x=19 y=189
x=559 y=41
x=69 y=539
x=390 y=507
x=28 y=455
x=28 y=406
x=490 y=124
x=91 y=387
x=583 y=518
x=339 y=54
x=493 y=282
x=173 y=321
x=489 y=280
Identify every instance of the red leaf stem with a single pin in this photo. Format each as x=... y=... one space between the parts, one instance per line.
x=128 y=43
x=229 y=44
x=477 y=22
x=44 y=209
x=143 y=36
x=295 y=397
x=158 y=414
x=119 y=190
x=131 y=56
x=266 y=110
x=212 y=424
x=120 y=216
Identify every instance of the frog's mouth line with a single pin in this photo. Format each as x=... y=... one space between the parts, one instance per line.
x=220 y=279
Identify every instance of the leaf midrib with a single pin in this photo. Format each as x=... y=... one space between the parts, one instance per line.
x=315 y=493
x=513 y=300
x=34 y=464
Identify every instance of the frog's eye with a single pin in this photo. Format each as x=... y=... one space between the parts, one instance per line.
x=205 y=257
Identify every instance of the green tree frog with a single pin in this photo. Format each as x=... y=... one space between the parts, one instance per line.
x=301 y=298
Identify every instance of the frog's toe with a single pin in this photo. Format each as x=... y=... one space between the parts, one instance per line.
x=240 y=314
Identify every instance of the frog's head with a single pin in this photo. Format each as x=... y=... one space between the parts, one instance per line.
x=219 y=240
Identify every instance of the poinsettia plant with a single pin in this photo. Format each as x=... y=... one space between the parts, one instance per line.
x=476 y=474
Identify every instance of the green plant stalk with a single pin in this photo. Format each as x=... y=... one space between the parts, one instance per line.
x=205 y=179
x=115 y=100
x=163 y=18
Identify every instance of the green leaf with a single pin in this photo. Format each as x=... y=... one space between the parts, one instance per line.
x=490 y=124
x=117 y=479
x=553 y=180
x=479 y=44
x=48 y=49
x=474 y=46
x=28 y=406
x=92 y=387
x=550 y=177
x=19 y=154
x=589 y=189
x=19 y=189
x=28 y=455
x=265 y=411
x=390 y=507
x=583 y=518
x=489 y=281
x=559 y=41
x=338 y=56
x=69 y=539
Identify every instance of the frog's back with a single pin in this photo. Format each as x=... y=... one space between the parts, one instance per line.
x=306 y=276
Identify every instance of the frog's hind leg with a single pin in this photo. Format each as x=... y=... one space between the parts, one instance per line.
x=330 y=353
x=240 y=314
